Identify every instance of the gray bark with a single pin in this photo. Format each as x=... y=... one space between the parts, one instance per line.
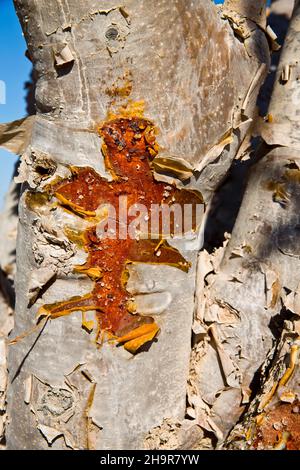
x=8 y=235
x=272 y=420
x=250 y=294
x=199 y=83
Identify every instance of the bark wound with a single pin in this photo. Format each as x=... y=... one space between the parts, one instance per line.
x=129 y=149
x=65 y=411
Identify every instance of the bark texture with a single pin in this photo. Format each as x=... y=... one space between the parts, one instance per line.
x=198 y=83
x=251 y=309
x=272 y=420
x=8 y=235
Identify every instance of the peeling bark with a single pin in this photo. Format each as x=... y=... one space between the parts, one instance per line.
x=272 y=420
x=248 y=309
x=251 y=309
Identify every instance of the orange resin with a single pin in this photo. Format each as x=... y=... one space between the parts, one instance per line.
x=129 y=147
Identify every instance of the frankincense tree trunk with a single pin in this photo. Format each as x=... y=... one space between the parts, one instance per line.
x=171 y=83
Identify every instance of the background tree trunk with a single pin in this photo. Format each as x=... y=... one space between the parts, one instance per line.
x=273 y=420
x=197 y=71
x=8 y=236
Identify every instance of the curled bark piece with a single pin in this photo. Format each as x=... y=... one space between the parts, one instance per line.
x=176 y=166
x=15 y=136
x=64 y=56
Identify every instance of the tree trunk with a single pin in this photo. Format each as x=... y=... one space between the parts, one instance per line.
x=273 y=420
x=8 y=235
x=193 y=72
